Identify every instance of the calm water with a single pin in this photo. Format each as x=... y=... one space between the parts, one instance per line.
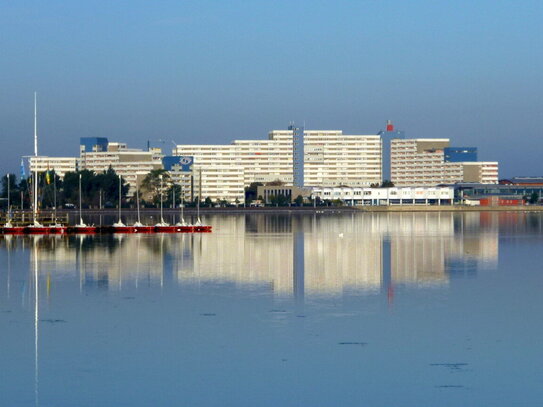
x=312 y=310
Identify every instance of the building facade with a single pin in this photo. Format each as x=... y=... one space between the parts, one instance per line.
x=131 y=164
x=427 y=162
x=330 y=159
x=61 y=165
x=386 y=196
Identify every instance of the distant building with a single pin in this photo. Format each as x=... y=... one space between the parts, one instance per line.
x=330 y=159
x=131 y=164
x=475 y=191
x=529 y=181
x=387 y=196
x=427 y=162
x=387 y=135
x=61 y=165
x=460 y=154
x=289 y=192
x=298 y=155
x=93 y=144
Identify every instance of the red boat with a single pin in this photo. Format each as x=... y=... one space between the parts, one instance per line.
x=82 y=228
x=165 y=228
x=202 y=229
x=37 y=229
x=58 y=229
x=144 y=229
x=184 y=228
x=13 y=230
x=120 y=227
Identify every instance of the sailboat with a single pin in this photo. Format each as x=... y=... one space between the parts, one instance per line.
x=8 y=226
x=57 y=227
x=182 y=225
x=119 y=226
x=82 y=227
x=163 y=226
x=36 y=227
x=199 y=226
x=138 y=226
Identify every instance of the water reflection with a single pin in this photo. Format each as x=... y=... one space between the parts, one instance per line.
x=289 y=255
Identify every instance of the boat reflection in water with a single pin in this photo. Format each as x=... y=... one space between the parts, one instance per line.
x=288 y=255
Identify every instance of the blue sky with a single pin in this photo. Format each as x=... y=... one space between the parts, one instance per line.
x=213 y=71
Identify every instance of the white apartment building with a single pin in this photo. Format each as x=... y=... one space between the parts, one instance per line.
x=131 y=164
x=421 y=162
x=482 y=172
x=61 y=165
x=331 y=158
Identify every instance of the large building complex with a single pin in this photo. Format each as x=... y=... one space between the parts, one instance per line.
x=426 y=162
x=97 y=154
x=330 y=159
x=296 y=157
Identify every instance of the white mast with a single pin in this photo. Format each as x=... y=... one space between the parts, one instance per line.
x=35 y=209
x=80 y=215
x=161 y=188
x=8 y=221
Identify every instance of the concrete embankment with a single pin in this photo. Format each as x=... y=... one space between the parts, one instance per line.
x=323 y=209
x=449 y=208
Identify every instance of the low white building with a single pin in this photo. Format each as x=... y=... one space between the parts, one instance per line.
x=387 y=196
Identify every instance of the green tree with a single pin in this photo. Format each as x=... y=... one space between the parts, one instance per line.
x=387 y=184
x=152 y=185
x=251 y=191
x=299 y=200
x=534 y=198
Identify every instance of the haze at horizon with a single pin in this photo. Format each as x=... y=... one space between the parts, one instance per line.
x=210 y=72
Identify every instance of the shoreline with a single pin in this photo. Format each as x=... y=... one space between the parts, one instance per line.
x=322 y=209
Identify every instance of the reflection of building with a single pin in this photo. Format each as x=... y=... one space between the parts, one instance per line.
x=299 y=256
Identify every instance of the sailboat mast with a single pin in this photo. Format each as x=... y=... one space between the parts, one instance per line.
x=120 y=197
x=35 y=209
x=138 y=199
x=80 y=217
x=182 y=204
x=161 y=189
x=55 y=194
x=9 y=209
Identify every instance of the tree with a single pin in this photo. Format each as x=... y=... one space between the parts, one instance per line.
x=104 y=186
x=13 y=190
x=534 y=198
x=70 y=187
x=279 y=200
x=209 y=203
x=299 y=200
x=251 y=191
x=275 y=183
x=387 y=184
x=152 y=185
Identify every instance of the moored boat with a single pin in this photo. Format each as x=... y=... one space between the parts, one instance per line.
x=37 y=229
x=9 y=229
